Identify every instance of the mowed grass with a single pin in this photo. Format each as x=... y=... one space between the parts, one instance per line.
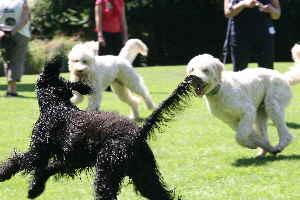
x=197 y=154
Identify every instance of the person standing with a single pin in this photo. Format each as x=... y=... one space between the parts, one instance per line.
x=111 y=26
x=14 y=38
x=250 y=30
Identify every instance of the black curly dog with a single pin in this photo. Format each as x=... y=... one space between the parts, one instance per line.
x=65 y=141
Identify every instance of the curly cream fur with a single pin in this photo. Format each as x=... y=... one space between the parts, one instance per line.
x=246 y=99
x=293 y=75
x=132 y=48
x=102 y=71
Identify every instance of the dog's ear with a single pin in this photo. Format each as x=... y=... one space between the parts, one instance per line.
x=218 y=67
x=80 y=87
x=53 y=65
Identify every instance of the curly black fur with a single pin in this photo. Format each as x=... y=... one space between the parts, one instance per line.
x=66 y=140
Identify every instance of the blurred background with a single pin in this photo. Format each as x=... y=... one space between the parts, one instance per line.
x=174 y=30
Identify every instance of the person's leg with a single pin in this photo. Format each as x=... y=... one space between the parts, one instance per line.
x=16 y=52
x=265 y=51
x=116 y=43
x=104 y=50
x=240 y=53
x=107 y=49
x=6 y=47
x=113 y=46
x=11 y=88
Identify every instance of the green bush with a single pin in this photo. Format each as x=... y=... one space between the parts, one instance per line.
x=51 y=17
x=162 y=25
x=40 y=50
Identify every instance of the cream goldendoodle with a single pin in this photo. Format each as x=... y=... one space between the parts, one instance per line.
x=245 y=100
x=102 y=71
x=130 y=50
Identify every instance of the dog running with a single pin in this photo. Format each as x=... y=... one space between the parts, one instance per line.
x=66 y=141
x=245 y=100
x=106 y=70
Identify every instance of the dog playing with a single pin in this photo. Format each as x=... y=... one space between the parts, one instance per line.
x=117 y=71
x=131 y=49
x=66 y=141
x=245 y=100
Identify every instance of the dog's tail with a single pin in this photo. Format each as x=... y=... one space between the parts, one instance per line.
x=293 y=75
x=167 y=110
x=132 y=48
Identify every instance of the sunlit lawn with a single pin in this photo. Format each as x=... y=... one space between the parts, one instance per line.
x=197 y=154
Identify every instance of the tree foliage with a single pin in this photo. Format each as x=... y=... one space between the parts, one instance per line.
x=61 y=16
x=174 y=30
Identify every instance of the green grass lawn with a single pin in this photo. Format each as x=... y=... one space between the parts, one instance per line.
x=197 y=154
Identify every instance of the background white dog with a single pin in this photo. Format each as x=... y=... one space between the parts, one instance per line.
x=102 y=71
x=131 y=49
x=245 y=100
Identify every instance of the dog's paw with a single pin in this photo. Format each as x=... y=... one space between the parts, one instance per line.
x=284 y=143
x=261 y=153
x=35 y=190
x=2 y=178
x=4 y=175
x=276 y=151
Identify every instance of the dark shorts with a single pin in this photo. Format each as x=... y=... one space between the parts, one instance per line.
x=14 y=50
x=260 y=48
x=114 y=43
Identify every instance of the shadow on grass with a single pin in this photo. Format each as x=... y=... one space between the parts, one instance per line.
x=22 y=87
x=245 y=162
x=293 y=125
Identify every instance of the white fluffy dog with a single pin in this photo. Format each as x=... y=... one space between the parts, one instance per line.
x=245 y=100
x=130 y=50
x=102 y=71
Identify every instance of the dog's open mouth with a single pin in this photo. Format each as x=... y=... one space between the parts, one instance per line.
x=198 y=84
x=81 y=76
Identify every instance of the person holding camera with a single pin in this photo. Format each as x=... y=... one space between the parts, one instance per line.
x=250 y=30
x=14 y=38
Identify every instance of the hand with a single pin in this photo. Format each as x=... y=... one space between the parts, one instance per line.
x=101 y=40
x=267 y=8
x=2 y=34
x=249 y=3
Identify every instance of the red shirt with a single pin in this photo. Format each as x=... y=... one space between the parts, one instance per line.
x=111 y=15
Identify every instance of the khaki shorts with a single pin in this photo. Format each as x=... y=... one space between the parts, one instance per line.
x=14 y=50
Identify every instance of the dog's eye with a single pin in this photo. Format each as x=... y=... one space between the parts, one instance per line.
x=84 y=61
x=191 y=70
x=205 y=71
